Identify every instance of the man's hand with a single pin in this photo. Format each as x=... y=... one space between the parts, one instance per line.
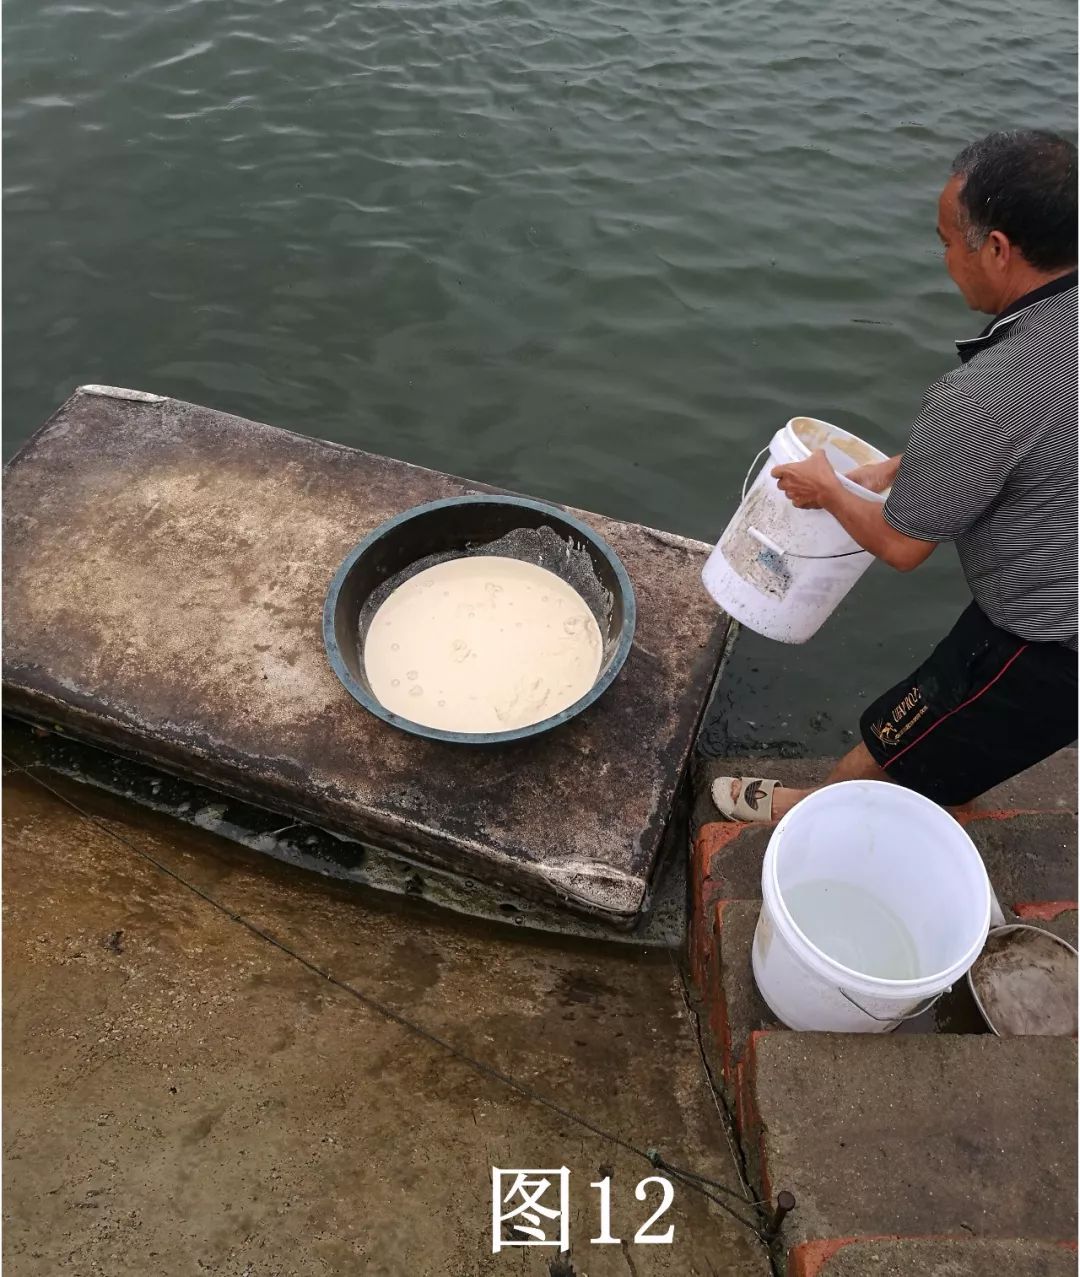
x=878 y=476
x=807 y=484
x=813 y=485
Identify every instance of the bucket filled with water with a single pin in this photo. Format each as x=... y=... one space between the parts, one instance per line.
x=874 y=903
x=781 y=571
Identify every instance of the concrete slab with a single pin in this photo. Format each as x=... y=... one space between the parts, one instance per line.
x=1029 y=857
x=181 y=1097
x=1049 y=786
x=738 y=1009
x=662 y=925
x=731 y=856
x=735 y=1010
x=915 y=1136
x=931 y=1257
x=165 y=569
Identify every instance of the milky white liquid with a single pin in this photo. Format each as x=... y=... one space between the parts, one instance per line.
x=482 y=644
x=854 y=927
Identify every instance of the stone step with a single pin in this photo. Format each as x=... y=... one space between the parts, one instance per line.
x=736 y=1010
x=1030 y=857
x=735 y=1007
x=1058 y=916
x=930 y=1257
x=913 y=1136
x=1049 y=786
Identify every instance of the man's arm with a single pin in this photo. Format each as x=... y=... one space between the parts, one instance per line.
x=813 y=485
x=877 y=476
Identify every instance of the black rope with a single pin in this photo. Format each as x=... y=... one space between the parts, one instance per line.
x=652 y=1156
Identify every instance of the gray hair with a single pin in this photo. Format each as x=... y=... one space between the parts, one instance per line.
x=1022 y=183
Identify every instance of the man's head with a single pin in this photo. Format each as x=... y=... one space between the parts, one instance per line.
x=1007 y=216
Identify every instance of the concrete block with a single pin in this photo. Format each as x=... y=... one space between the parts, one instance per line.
x=930 y=1257
x=708 y=886
x=729 y=858
x=1030 y=857
x=165 y=568
x=1048 y=786
x=736 y=1010
x=913 y=1136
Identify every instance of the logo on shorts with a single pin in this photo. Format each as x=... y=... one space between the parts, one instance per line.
x=885 y=732
x=907 y=704
x=890 y=731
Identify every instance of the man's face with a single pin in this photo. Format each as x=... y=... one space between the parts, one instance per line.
x=972 y=270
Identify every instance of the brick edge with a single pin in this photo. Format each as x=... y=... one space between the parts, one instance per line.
x=808 y=1259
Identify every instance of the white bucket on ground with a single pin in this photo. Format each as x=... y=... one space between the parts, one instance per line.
x=874 y=900
x=781 y=571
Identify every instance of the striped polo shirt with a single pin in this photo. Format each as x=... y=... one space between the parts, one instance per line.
x=991 y=464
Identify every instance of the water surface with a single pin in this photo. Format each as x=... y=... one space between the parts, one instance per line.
x=596 y=252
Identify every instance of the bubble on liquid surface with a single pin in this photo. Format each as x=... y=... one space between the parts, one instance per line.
x=513 y=677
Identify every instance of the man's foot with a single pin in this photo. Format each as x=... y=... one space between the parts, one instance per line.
x=749 y=799
x=744 y=798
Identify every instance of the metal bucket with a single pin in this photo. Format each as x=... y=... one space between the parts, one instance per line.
x=440 y=530
x=1025 y=982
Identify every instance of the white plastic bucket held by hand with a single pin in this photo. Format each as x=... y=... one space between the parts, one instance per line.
x=874 y=903
x=781 y=571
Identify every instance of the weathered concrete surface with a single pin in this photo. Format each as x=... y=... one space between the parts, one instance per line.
x=930 y=1257
x=165 y=569
x=915 y=1136
x=182 y=1098
x=1028 y=857
x=728 y=859
x=305 y=846
x=736 y=1008
x=1048 y=786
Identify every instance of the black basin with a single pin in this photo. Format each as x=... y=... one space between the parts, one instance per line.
x=412 y=541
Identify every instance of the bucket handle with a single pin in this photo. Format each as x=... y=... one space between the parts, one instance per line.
x=767 y=542
x=772 y=546
x=894 y=1019
x=753 y=467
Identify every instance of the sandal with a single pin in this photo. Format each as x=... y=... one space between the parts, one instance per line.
x=754 y=803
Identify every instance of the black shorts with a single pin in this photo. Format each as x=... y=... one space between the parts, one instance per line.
x=984 y=706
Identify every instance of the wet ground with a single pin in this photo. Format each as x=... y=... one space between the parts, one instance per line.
x=182 y=1095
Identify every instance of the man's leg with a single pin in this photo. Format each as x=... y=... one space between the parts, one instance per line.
x=857 y=764
x=985 y=706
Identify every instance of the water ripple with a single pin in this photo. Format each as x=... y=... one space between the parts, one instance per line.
x=584 y=248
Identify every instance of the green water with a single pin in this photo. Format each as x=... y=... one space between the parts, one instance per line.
x=592 y=251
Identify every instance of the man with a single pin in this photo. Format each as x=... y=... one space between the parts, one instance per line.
x=991 y=465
